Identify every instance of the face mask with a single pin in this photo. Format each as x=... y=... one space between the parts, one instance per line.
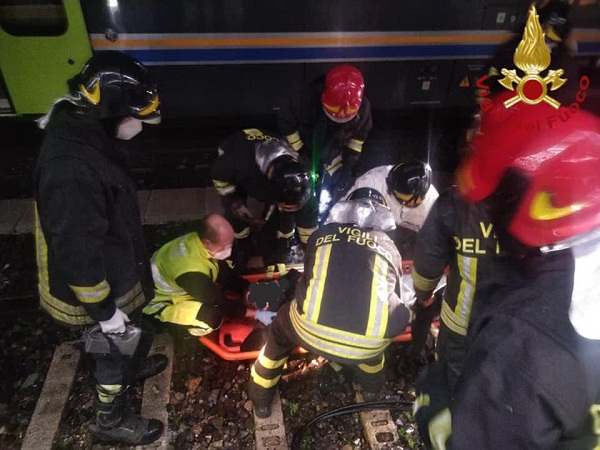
x=223 y=254
x=128 y=128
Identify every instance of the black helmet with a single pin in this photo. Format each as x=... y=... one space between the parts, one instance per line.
x=113 y=85
x=554 y=18
x=292 y=182
x=409 y=182
x=369 y=194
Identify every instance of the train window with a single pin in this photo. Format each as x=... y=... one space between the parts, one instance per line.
x=33 y=17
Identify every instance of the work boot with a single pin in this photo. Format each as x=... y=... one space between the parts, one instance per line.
x=263 y=412
x=151 y=366
x=369 y=396
x=261 y=399
x=115 y=425
x=333 y=371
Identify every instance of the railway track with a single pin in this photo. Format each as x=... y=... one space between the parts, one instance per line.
x=379 y=429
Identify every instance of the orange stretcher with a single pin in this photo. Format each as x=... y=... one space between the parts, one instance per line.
x=226 y=341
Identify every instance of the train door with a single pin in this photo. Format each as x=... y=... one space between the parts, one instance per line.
x=43 y=43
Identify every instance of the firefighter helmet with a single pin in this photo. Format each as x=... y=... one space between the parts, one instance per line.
x=546 y=184
x=292 y=182
x=365 y=207
x=367 y=193
x=113 y=85
x=343 y=93
x=409 y=182
x=554 y=18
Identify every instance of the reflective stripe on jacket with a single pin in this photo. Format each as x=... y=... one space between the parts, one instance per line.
x=349 y=303
x=460 y=235
x=182 y=255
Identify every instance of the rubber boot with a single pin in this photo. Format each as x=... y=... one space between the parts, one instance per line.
x=151 y=366
x=114 y=424
x=337 y=372
x=261 y=399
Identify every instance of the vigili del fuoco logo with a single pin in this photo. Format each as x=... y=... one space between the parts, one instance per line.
x=533 y=57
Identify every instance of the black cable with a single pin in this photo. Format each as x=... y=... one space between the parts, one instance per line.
x=348 y=409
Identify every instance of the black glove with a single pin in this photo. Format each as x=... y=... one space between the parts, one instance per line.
x=432 y=406
x=424 y=312
x=237 y=208
x=288 y=283
x=240 y=211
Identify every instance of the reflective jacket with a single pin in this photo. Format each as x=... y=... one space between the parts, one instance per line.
x=90 y=245
x=461 y=236
x=349 y=304
x=308 y=130
x=405 y=217
x=171 y=302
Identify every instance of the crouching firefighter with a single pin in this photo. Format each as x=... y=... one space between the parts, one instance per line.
x=348 y=307
x=91 y=256
x=253 y=163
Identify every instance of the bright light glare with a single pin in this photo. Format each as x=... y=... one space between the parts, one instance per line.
x=114 y=4
x=324 y=201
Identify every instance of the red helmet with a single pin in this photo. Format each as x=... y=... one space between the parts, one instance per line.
x=343 y=93
x=552 y=157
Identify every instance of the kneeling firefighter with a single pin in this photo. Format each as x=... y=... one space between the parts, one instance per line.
x=348 y=306
x=91 y=255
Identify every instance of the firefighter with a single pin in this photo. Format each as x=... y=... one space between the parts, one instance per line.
x=327 y=122
x=91 y=255
x=461 y=236
x=190 y=275
x=348 y=305
x=260 y=165
x=531 y=377
x=406 y=188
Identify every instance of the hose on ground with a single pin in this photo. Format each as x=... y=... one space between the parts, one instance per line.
x=348 y=409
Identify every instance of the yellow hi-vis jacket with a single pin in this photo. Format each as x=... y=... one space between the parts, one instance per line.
x=171 y=303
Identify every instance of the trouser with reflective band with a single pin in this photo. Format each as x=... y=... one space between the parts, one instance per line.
x=451 y=349
x=267 y=369
x=199 y=319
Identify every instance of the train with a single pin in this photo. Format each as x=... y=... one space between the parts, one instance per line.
x=225 y=58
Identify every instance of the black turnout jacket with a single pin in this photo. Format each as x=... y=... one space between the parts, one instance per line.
x=90 y=246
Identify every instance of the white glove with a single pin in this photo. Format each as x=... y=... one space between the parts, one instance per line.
x=266 y=317
x=116 y=324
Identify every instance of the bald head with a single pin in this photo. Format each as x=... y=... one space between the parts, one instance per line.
x=216 y=232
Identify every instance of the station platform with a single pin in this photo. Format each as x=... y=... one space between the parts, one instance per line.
x=157 y=206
